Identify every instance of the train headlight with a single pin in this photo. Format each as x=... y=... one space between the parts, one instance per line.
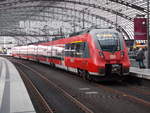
x=122 y=54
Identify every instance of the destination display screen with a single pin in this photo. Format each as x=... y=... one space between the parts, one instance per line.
x=104 y=35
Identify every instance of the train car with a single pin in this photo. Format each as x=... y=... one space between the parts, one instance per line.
x=15 y=51
x=94 y=53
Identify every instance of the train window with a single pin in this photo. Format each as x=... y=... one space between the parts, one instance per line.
x=67 y=46
x=78 y=52
x=67 y=49
x=57 y=52
x=109 y=41
x=72 y=51
x=82 y=50
x=86 y=51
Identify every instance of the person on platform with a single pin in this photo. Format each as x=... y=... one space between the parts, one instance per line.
x=140 y=56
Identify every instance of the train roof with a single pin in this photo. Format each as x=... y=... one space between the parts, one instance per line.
x=91 y=29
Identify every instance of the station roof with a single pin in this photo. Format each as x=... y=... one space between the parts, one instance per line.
x=37 y=20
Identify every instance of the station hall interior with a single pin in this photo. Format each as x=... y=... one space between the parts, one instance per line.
x=25 y=22
x=30 y=31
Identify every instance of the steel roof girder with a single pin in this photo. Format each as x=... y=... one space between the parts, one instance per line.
x=129 y=5
x=86 y=4
x=99 y=7
x=104 y=19
x=55 y=13
x=97 y=16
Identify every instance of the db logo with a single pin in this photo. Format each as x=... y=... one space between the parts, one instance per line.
x=112 y=56
x=71 y=60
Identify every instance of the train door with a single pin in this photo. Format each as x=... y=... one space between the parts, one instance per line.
x=82 y=55
x=69 y=55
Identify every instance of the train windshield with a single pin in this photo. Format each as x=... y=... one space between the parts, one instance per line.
x=108 y=41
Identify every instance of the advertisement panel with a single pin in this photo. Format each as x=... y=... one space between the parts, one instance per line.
x=140 y=30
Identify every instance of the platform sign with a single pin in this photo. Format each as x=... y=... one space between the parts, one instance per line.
x=140 y=30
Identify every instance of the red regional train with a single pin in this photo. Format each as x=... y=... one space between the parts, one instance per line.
x=93 y=53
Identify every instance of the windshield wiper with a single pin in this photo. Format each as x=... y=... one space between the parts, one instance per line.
x=99 y=44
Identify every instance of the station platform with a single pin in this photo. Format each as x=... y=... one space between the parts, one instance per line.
x=14 y=97
x=141 y=73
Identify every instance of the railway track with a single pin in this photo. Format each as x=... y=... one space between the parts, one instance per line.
x=40 y=100
x=119 y=93
x=81 y=108
x=126 y=95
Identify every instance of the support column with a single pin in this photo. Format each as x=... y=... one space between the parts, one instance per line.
x=148 y=30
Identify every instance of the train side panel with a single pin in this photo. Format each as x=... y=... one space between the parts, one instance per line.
x=78 y=54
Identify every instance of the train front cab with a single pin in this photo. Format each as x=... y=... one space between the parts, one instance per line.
x=109 y=54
